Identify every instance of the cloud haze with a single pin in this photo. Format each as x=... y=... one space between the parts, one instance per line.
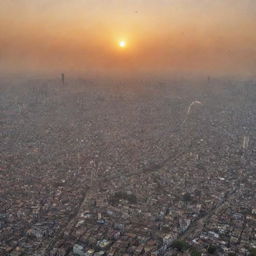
x=207 y=36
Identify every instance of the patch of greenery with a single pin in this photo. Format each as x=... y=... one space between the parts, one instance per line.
x=180 y=245
x=195 y=252
x=114 y=199
x=252 y=252
x=211 y=249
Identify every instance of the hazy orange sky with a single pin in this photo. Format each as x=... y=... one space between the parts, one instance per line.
x=202 y=35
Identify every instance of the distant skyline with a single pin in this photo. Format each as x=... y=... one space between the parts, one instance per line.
x=185 y=35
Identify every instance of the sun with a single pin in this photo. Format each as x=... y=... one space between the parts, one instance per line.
x=122 y=44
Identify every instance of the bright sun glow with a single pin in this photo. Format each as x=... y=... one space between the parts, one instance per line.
x=122 y=44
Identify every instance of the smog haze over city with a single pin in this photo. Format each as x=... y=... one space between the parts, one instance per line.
x=127 y=127
x=203 y=36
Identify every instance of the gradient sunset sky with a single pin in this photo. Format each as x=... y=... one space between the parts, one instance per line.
x=203 y=35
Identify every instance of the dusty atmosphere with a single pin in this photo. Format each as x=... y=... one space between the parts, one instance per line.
x=127 y=128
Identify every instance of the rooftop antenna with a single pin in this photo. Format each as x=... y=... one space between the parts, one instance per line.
x=62 y=78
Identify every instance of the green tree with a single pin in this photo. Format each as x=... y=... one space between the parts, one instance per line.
x=195 y=252
x=180 y=245
x=211 y=249
x=252 y=252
